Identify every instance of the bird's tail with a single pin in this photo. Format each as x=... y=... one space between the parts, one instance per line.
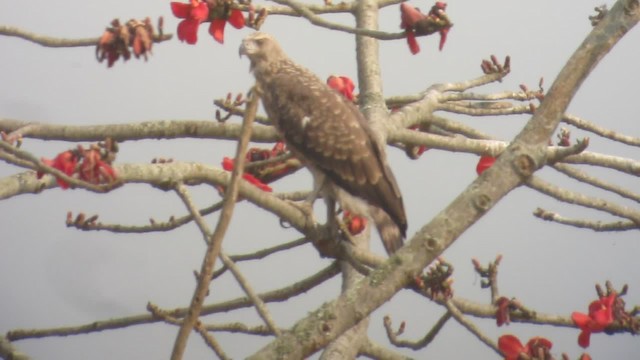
x=390 y=233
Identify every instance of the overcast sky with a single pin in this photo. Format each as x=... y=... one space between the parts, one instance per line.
x=54 y=276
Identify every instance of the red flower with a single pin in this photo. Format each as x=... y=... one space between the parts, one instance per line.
x=227 y=164
x=600 y=316
x=193 y=14
x=409 y=16
x=234 y=17
x=511 y=347
x=94 y=169
x=343 y=85
x=443 y=37
x=502 y=314
x=416 y=23
x=355 y=224
x=484 y=163
x=65 y=162
x=437 y=12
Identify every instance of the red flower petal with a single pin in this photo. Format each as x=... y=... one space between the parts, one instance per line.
x=107 y=172
x=602 y=318
x=581 y=320
x=502 y=313
x=199 y=11
x=252 y=179
x=510 y=346
x=227 y=164
x=443 y=37
x=584 y=338
x=411 y=40
x=343 y=85
x=409 y=15
x=217 y=30
x=180 y=10
x=278 y=148
x=236 y=19
x=484 y=163
x=538 y=342
x=188 y=31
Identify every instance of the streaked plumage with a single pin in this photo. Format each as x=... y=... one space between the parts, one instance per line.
x=330 y=135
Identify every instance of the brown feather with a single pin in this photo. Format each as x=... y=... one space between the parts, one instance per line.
x=325 y=131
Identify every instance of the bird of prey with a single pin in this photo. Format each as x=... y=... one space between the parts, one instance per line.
x=330 y=136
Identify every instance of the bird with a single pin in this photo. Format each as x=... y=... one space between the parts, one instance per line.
x=330 y=136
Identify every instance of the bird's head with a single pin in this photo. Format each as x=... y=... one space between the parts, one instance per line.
x=261 y=48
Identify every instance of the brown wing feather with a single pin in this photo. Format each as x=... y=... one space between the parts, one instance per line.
x=333 y=136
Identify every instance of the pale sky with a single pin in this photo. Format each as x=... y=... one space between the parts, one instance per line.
x=54 y=276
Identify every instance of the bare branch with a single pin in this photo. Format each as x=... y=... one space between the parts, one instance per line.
x=418 y=344
x=277 y=295
x=604 y=132
x=591 y=180
x=162 y=129
x=305 y=12
x=9 y=352
x=582 y=200
x=261 y=254
x=240 y=328
x=258 y=303
x=375 y=351
x=211 y=341
x=585 y=224
x=60 y=42
x=455 y=312
x=215 y=241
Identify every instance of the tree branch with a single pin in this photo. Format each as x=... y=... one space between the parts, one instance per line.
x=215 y=241
x=520 y=159
x=60 y=42
x=277 y=295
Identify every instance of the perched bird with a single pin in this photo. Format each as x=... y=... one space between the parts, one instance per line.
x=330 y=136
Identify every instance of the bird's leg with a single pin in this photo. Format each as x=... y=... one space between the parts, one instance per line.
x=306 y=206
x=332 y=222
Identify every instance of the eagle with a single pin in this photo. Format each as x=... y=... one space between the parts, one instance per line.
x=330 y=136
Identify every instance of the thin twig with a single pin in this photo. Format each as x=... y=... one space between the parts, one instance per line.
x=261 y=254
x=258 y=303
x=373 y=350
x=215 y=243
x=305 y=12
x=277 y=295
x=460 y=318
x=418 y=344
x=599 y=130
x=211 y=341
x=240 y=328
x=593 y=181
x=595 y=225
x=171 y=224
x=576 y=198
